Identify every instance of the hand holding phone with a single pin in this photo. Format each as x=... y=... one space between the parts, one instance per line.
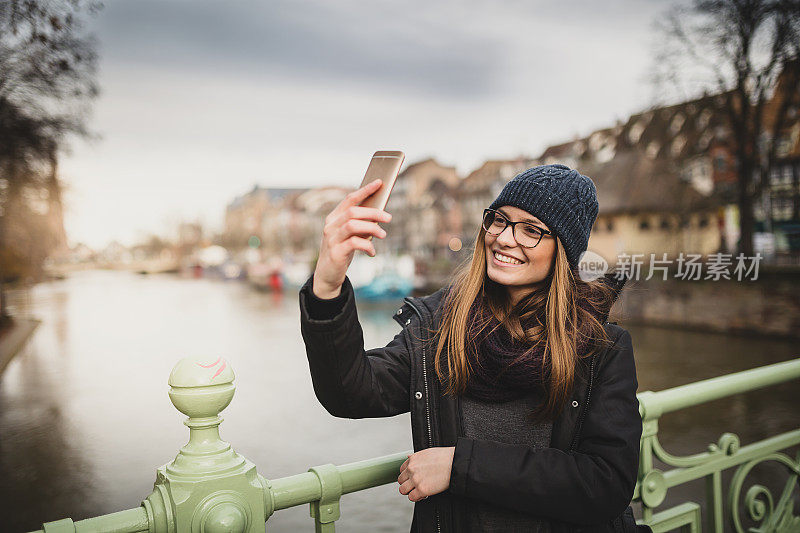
x=353 y=223
x=345 y=231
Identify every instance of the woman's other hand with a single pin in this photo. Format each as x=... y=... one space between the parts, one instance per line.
x=426 y=472
x=346 y=230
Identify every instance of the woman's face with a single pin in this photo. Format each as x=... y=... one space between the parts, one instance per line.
x=534 y=263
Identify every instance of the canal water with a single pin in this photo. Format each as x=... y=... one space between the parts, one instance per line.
x=85 y=418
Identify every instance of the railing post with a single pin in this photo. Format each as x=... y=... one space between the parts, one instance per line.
x=208 y=487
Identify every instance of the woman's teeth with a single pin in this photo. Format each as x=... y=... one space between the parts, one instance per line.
x=506 y=259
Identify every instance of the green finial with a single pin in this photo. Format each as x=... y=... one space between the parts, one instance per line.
x=201 y=390
x=208 y=487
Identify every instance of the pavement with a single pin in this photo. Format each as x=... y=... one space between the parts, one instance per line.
x=14 y=340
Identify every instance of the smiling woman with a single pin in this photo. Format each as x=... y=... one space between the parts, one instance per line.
x=498 y=369
x=520 y=268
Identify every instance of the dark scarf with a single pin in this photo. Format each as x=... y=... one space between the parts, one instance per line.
x=502 y=370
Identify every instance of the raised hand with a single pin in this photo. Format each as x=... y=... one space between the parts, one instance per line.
x=347 y=229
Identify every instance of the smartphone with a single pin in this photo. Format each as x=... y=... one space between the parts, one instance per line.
x=384 y=165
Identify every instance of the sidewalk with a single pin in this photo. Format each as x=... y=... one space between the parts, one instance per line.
x=14 y=340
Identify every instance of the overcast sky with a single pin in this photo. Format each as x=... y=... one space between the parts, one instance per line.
x=203 y=99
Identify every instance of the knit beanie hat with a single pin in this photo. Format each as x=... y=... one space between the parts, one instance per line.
x=560 y=197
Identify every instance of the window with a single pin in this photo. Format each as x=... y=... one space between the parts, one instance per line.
x=784 y=146
x=665 y=224
x=782 y=208
x=677 y=145
x=597 y=141
x=606 y=153
x=610 y=225
x=703 y=119
x=677 y=123
x=635 y=133
x=781 y=177
x=644 y=224
x=704 y=141
x=720 y=164
x=652 y=149
x=787 y=176
x=703 y=222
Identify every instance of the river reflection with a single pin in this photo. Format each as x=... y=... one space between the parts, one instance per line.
x=85 y=418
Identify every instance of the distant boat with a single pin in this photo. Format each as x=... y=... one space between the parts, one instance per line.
x=382 y=277
x=386 y=286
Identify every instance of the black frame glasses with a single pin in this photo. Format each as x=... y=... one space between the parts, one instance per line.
x=542 y=232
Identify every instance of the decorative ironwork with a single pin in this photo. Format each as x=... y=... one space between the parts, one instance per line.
x=758 y=500
x=727 y=452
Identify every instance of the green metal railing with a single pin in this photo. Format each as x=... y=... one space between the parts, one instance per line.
x=724 y=454
x=209 y=488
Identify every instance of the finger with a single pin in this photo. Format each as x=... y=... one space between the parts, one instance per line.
x=362 y=228
x=356 y=243
x=403 y=477
x=359 y=195
x=416 y=495
x=359 y=211
x=407 y=487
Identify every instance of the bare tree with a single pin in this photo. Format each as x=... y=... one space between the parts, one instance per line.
x=47 y=67
x=740 y=49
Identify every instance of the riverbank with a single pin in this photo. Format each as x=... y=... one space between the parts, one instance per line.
x=768 y=306
x=13 y=338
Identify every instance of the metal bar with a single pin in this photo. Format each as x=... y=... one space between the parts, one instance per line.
x=685 y=516
x=305 y=488
x=714 y=502
x=295 y=490
x=371 y=472
x=129 y=521
x=761 y=448
x=708 y=390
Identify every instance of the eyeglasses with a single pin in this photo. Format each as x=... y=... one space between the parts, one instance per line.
x=529 y=235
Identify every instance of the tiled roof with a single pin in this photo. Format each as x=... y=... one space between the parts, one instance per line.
x=491 y=170
x=632 y=182
x=637 y=165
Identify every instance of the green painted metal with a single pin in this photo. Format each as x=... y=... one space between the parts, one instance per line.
x=685 y=517
x=210 y=488
x=758 y=503
x=130 y=521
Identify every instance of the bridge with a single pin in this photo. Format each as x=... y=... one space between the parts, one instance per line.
x=210 y=488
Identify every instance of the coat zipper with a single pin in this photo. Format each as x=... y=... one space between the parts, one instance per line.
x=427 y=400
x=585 y=405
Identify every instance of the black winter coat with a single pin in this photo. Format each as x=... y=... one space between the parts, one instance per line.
x=583 y=482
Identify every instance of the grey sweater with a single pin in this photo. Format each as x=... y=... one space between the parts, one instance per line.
x=507 y=423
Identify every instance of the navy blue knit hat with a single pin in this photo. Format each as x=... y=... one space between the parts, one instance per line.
x=559 y=196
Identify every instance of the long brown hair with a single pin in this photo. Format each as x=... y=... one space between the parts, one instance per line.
x=553 y=309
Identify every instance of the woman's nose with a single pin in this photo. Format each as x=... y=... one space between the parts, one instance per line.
x=507 y=237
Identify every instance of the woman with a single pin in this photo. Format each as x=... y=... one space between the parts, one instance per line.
x=522 y=397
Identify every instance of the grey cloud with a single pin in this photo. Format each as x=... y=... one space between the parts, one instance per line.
x=373 y=42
